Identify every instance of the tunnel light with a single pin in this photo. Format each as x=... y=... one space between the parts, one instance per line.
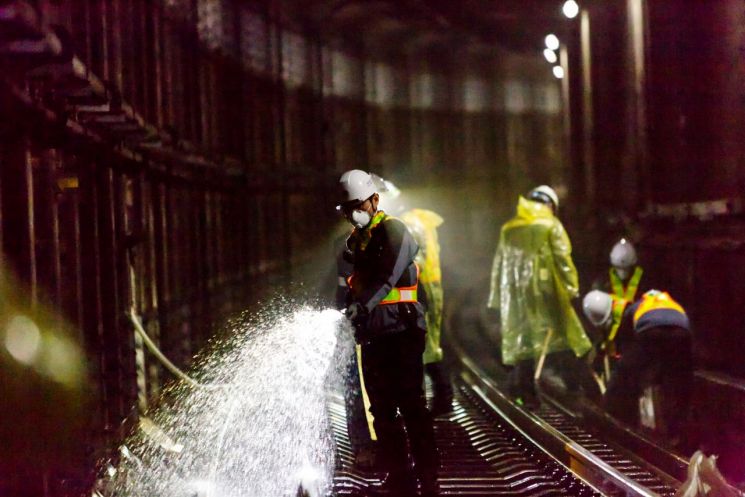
x=570 y=9
x=23 y=339
x=552 y=42
x=550 y=55
x=559 y=72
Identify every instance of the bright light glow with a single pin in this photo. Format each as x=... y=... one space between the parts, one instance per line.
x=111 y=471
x=552 y=42
x=23 y=339
x=550 y=55
x=570 y=9
x=61 y=360
x=559 y=72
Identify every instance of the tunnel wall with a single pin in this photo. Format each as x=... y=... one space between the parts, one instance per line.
x=180 y=157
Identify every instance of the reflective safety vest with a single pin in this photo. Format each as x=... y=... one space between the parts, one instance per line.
x=659 y=307
x=628 y=293
x=403 y=294
x=398 y=294
x=619 y=305
x=622 y=296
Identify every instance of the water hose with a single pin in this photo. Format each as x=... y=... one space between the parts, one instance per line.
x=159 y=355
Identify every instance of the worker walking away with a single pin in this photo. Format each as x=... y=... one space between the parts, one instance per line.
x=423 y=226
x=660 y=344
x=390 y=327
x=533 y=283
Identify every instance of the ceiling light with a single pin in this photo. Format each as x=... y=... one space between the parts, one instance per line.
x=559 y=72
x=552 y=42
x=550 y=55
x=570 y=9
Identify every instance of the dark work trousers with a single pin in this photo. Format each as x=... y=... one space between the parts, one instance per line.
x=392 y=366
x=359 y=433
x=441 y=388
x=663 y=350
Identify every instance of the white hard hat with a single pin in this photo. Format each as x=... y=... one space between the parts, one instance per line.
x=544 y=192
x=623 y=255
x=356 y=185
x=597 y=306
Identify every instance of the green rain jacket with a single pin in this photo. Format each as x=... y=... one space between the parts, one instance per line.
x=533 y=282
x=423 y=226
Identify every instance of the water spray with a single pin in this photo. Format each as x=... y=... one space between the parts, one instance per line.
x=264 y=431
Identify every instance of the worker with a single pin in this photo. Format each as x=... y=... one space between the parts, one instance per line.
x=660 y=343
x=533 y=283
x=390 y=327
x=623 y=282
x=423 y=226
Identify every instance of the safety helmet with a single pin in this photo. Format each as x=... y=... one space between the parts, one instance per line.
x=545 y=194
x=623 y=255
x=597 y=306
x=356 y=186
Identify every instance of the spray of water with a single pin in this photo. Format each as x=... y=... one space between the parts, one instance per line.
x=260 y=428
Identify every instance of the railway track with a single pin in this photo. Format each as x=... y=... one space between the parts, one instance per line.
x=481 y=456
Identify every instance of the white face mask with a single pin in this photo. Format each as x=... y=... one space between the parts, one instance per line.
x=360 y=219
x=623 y=273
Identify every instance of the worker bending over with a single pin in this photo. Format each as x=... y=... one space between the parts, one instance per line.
x=659 y=345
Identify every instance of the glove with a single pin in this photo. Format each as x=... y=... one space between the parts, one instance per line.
x=355 y=311
x=357 y=314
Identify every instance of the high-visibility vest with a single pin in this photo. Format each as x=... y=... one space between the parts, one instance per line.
x=656 y=301
x=403 y=294
x=398 y=294
x=629 y=292
x=622 y=296
x=619 y=305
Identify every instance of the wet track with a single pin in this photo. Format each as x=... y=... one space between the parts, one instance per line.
x=482 y=455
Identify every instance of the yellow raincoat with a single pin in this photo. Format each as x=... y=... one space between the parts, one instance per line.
x=423 y=226
x=533 y=282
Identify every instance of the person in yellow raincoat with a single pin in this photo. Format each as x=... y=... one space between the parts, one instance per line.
x=423 y=225
x=533 y=283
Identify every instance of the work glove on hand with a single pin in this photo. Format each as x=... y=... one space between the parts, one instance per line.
x=357 y=314
x=354 y=311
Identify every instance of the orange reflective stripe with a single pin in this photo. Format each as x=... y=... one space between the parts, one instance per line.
x=403 y=294
x=656 y=301
x=407 y=294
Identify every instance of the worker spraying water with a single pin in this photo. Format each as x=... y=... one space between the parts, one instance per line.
x=255 y=424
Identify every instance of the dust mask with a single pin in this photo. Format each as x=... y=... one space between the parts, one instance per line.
x=360 y=219
x=623 y=273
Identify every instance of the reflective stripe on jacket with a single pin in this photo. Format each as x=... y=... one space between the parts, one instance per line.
x=657 y=308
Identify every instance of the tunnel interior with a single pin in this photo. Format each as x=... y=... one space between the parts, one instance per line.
x=177 y=161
